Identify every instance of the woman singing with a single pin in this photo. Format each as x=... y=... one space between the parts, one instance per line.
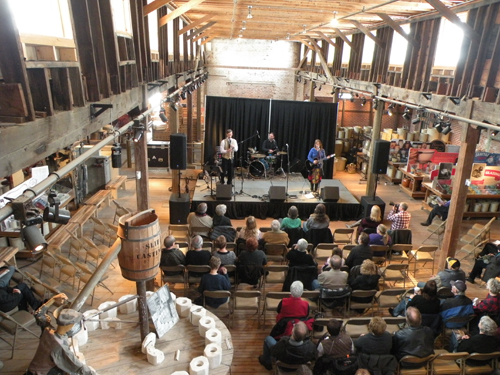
x=316 y=156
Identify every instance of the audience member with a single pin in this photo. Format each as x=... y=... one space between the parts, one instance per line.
x=485 y=342
x=292 y=220
x=425 y=300
x=400 y=217
x=415 y=339
x=252 y=256
x=457 y=306
x=299 y=256
x=219 y=218
x=335 y=343
x=250 y=230
x=317 y=220
x=360 y=252
x=365 y=279
x=226 y=257
x=296 y=349
x=441 y=210
x=334 y=278
x=377 y=341
x=276 y=235
x=200 y=219
x=369 y=223
x=171 y=256
x=20 y=296
x=6 y=273
x=380 y=237
x=293 y=306
x=452 y=272
x=489 y=254
x=489 y=306
x=197 y=256
x=214 y=280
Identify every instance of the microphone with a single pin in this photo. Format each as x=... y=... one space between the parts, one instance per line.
x=258 y=135
x=287 y=145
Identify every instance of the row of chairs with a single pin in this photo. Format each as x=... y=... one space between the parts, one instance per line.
x=475 y=239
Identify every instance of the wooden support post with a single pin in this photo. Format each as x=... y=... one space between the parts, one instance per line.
x=198 y=113
x=371 y=179
x=142 y=308
x=469 y=140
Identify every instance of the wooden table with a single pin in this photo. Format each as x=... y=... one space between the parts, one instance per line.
x=119 y=351
x=116 y=183
x=100 y=199
x=414 y=189
x=60 y=236
x=82 y=216
x=6 y=254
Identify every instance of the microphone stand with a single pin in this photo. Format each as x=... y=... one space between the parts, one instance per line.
x=288 y=174
x=241 y=192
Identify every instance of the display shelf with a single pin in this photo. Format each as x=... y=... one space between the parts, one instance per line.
x=391 y=176
x=471 y=199
x=415 y=184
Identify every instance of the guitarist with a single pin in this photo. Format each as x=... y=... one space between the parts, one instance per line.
x=316 y=156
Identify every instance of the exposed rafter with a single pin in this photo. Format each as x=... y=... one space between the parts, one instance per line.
x=344 y=38
x=201 y=29
x=395 y=26
x=321 y=59
x=330 y=42
x=179 y=11
x=151 y=7
x=368 y=33
x=192 y=25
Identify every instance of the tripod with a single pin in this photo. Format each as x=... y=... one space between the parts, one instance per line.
x=241 y=192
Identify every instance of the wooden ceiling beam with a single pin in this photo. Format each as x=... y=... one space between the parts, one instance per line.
x=395 y=26
x=192 y=25
x=200 y=30
x=151 y=7
x=208 y=39
x=303 y=60
x=199 y=37
x=179 y=11
x=452 y=17
x=330 y=42
x=344 y=38
x=368 y=33
x=322 y=60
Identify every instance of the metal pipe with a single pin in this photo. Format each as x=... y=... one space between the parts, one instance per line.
x=6 y=211
x=99 y=312
x=97 y=275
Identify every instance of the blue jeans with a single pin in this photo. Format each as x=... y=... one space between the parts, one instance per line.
x=400 y=309
x=315 y=284
x=269 y=342
x=5 y=279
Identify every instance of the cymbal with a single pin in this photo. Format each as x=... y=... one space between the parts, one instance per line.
x=258 y=156
x=251 y=150
x=282 y=153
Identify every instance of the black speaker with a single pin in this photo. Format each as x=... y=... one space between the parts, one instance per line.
x=330 y=193
x=179 y=208
x=368 y=202
x=223 y=192
x=277 y=193
x=380 y=157
x=178 y=151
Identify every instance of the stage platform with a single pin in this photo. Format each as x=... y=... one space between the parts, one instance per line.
x=255 y=200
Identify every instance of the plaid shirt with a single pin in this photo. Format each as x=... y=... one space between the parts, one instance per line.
x=400 y=220
x=491 y=304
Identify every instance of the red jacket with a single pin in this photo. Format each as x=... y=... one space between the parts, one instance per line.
x=292 y=307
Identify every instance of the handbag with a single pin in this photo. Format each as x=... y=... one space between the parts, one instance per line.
x=345 y=366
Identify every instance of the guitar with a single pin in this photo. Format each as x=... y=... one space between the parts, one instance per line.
x=310 y=166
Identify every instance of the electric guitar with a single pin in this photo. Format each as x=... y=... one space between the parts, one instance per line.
x=310 y=165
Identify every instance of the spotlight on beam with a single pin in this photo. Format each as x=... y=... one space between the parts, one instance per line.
x=426 y=95
x=454 y=99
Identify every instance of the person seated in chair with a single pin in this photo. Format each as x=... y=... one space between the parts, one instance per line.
x=219 y=218
x=20 y=296
x=197 y=256
x=250 y=263
x=6 y=273
x=424 y=299
x=296 y=349
x=171 y=256
x=292 y=220
x=335 y=343
x=489 y=254
x=452 y=272
x=227 y=257
x=485 y=342
x=333 y=278
x=361 y=252
x=276 y=235
x=200 y=219
x=377 y=341
x=369 y=223
x=318 y=220
x=216 y=279
x=415 y=339
x=364 y=277
x=458 y=306
x=299 y=256
x=441 y=210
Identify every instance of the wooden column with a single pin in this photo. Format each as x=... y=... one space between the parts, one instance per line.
x=189 y=100
x=199 y=136
x=311 y=88
x=371 y=181
x=468 y=142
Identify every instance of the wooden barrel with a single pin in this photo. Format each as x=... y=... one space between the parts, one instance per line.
x=140 y=254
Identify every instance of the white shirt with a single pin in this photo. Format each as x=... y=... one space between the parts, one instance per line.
x=226 y=144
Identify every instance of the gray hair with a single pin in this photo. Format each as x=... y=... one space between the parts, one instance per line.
x=275 y=225
x=197 y=242
x=487 y=326
x=169 y=241
x=493 y=286
x=302 y=244
x=296 y=289
x=202 y=208
x=221 y=209
x=335 y=262
x=404 y=206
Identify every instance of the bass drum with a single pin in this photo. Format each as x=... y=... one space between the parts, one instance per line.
x=258 y=168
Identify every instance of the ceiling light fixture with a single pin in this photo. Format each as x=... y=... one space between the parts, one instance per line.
x=249 y=16
x=426 y=95
x=244 y=25
x=363 y=101
x=406 y=114
x=304 y=31
x=494 y=133
x=287 y=36
x=334 y=22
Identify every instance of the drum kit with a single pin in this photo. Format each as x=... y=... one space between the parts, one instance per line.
x=261 y=165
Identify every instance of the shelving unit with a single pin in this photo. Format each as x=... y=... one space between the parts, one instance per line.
x=415 y=184
x=471 y=199
x=391 y=175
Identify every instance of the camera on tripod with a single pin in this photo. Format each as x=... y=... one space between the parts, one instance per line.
x=396 y=205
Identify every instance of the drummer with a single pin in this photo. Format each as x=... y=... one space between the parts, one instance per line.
x=269 y=146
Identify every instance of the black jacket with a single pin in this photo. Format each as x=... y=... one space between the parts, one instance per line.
x=291 y=354
x=358 y=254
x=416 y=341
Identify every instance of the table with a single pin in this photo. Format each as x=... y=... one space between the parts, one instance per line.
x=415 y=184
x=392 y=170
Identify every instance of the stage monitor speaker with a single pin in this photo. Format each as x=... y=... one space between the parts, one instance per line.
x=380 y=156
x=179 y=208
x=178 y=151
x=223 y=192
x=277 y=193
x=330 y=194
x=368 y=202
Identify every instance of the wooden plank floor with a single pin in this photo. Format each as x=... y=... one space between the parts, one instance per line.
x=247 y=337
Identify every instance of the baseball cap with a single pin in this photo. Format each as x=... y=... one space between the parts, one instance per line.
x=459 y=284
x=453 y=262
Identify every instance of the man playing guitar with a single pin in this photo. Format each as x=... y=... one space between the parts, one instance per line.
x=314 y=164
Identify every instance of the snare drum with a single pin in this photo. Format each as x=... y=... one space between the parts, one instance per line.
x=271 y=159
x=258 y=168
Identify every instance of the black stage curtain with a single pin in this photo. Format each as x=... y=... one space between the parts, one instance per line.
x=300 y=123
x=243 y=116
